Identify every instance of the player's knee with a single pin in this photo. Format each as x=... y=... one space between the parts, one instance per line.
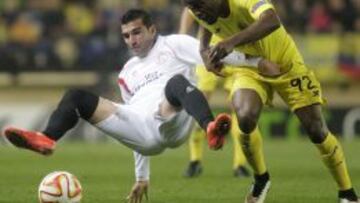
x=176 y=84
x=84 y=102
x=316 y=131
x=247 y=117
x=178 y=79
x=70 y=98
x=247 y=122
x=70 y=95
x=175 y=89
x=247 y=125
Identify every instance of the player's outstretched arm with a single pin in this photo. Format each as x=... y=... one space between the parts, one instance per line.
x=142 y=174
x=266 y=24
x=264 y=66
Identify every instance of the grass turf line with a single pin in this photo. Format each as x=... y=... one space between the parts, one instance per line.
x=106 y=173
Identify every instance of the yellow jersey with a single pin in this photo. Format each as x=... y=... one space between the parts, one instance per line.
x=277 y=47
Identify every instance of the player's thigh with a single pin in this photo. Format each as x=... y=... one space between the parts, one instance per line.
x=248 y=87
x=122 y=123
x=299 y=88
x=104 y=109
x=176 y=130
x=130 y=127
x=248 y=97
x=247 y=104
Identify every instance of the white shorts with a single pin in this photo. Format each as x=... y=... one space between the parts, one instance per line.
x=147 y=133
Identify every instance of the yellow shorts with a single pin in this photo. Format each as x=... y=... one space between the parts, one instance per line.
x=208 y=82
x=298 y=87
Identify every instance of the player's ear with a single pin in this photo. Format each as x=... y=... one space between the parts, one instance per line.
x=153 y=30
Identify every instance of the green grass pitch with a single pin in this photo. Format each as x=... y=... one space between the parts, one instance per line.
x=106 y=174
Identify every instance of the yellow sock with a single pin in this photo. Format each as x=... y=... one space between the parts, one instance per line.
x=253 y=150
x=196 y=144
x=239 y=157
x=333 y=157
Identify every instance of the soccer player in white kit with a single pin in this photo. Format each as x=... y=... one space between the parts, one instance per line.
x=160 y=100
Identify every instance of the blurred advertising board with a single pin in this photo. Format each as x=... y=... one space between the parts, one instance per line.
x=274 y=122
x=331 y=54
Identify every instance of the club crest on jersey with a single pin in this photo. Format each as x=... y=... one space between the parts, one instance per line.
x=257 y=5
x=163 y=57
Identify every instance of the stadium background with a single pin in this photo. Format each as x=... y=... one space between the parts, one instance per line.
x=48 y=46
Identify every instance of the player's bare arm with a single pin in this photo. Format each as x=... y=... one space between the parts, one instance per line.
x=205 y=37
x=205 y=50
x=268 y=22
x=186 y=22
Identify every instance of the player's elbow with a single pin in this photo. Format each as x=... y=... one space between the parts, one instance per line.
x=271 y=20
x=275 y=24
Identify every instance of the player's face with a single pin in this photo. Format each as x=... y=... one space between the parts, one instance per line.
x=138 y=37
x=206 y=10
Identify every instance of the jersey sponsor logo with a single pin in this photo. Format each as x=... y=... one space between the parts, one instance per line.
x=149 y=78
x=257 y=5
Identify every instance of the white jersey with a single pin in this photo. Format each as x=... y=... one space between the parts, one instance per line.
x=137 y=123
x=142 y=79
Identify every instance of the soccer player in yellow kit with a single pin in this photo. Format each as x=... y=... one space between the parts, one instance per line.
x=207 y=83
x=253 y=27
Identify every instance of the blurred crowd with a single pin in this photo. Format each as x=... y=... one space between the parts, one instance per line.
x=65 y=35
x=320 y=15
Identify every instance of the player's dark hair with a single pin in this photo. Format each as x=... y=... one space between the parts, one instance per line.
x=134 y=14
x=191 y=2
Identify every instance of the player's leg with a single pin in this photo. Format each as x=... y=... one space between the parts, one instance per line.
x=77 y=104
x=330 y=149
x=180 y=93
x=196 y=142
x=239 y=161
x=74 y=104
x=248 y=105
x=300 y=89
x=249 y=94
x=206 y=83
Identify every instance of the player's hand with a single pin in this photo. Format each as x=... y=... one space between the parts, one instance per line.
x=220 y=50
x=214 y=67
x=138 y=191
x=269 y=69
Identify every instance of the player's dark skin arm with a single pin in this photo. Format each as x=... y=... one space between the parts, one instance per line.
x=266 y=67
x=205 y=37
x=268 y=22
